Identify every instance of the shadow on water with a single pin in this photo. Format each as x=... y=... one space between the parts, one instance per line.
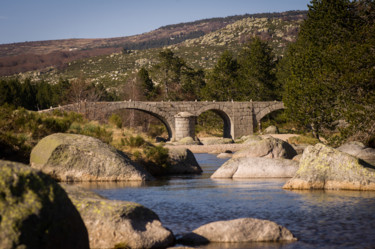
x=319 y=219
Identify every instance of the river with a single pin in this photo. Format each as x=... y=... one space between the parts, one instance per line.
x=319 y=219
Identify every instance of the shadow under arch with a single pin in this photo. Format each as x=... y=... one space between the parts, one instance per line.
x=228 y=124
x=166 y=122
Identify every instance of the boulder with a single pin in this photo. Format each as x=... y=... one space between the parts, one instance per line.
x=216 y=140
x=182 y=161
x=71 y=157
x=256 y=167
x=359 y=150
x=271 y=130
x=251 y=138
x=269 y=147
x=35 y=212
x=237 y=231
x=118 y=224
x=225 y=155
x=322 y=167
x=187 y=141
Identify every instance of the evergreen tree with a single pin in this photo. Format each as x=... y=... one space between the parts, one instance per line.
x=170 y=67
x=329 y=71
x=257 y=72
x=146 y=83
x=222 y=81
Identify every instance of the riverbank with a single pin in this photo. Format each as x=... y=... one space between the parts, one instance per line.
x=221 y=148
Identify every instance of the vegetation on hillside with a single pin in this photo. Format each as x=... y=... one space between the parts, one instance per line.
x=325 y=76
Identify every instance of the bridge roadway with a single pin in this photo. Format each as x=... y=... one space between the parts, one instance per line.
x=239 y=118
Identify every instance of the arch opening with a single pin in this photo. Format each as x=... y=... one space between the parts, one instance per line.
x=276 y=118
x=213 y=122
x=152 y=123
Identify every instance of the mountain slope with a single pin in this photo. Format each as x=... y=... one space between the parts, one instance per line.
x=22 y=57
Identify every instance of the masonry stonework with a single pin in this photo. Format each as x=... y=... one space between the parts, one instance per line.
x=239 y=118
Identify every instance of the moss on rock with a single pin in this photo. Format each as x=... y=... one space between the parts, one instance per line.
x=111 y=224
x=35 y=212
x=71 y=157
x=322 y=167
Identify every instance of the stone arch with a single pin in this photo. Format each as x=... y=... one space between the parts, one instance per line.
x=223 y=113
x=271 y=108
x=164 y=117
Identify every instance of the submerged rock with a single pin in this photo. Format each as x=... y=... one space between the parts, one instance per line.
x=322 y=167
x=182 y=161
x=238 y=230
x=118 y=224
x=256 y=167
x=269 y=147
x=71 y=157
x=35 y=212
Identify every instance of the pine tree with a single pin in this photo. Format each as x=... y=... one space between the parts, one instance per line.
x=257 y=71
x=222 y=81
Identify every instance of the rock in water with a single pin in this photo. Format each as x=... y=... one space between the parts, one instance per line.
x=269 y=147
x=182 y=161
x=256 y=167
x=118 y=224
x=322 y=167
x=71 y=157
x=239 y=230
x=359 y=150
x=35 y=212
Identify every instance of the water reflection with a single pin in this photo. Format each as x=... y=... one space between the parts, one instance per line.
x=319 y=219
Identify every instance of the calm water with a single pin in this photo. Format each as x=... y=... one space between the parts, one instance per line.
x=319 y=219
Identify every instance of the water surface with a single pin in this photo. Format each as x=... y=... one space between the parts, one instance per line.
x=319 y=219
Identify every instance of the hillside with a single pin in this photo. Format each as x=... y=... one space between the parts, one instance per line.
x=37 y=56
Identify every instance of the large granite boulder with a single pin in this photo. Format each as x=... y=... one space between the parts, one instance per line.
x=269 y=147
x=238 y=230
x=322 y=167
x=118 y=224
x=182 y=161
x=359 y=150
x=71 y=157
x=35 y=212
x=271 y=130
x=256 y=167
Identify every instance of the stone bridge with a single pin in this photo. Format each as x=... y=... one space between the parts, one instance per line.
x=179 y=118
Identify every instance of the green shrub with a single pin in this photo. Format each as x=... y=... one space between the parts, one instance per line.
x=303 y=140
x=134 y=142
x=156 y=130
x=157 y=155
x=115 y=120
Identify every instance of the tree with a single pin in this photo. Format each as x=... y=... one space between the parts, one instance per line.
x=257 y=71
x=329 y=71
x=222 y=81
x=146 y=84
x=169 y=68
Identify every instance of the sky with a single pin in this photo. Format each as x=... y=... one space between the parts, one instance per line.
x=36 y=20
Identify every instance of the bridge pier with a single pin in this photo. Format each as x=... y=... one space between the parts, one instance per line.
x=184 y=125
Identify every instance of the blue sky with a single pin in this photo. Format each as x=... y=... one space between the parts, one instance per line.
x=35 y=20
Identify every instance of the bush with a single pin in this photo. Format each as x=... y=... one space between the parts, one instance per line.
x=115 y=120
x=303 y=140
x=134 y=142
x=157 y=155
